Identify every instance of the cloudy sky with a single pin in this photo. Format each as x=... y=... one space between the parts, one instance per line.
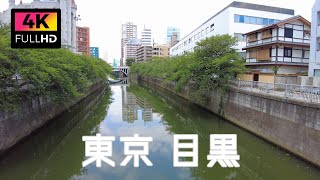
x=104 y=17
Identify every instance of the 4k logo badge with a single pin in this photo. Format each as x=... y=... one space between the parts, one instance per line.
x=36 y=28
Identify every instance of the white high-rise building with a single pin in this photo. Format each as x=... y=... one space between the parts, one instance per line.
x=128 y=31
x=314 y=62
x=146 y=37
x=68 y=17
x=235 y=19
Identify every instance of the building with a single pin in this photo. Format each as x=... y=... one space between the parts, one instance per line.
x=174 y=39
x=143 y=53
x=128 y=31
x=146 y=37
x=83 y=41
x=235 y=19
x=314 y=63
x=130 y=49
x=281 y=48
x=94 y=52
x=160 y=50
x=170 y=32
x=68 y=17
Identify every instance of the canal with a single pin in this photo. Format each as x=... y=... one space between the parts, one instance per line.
x=57 y=151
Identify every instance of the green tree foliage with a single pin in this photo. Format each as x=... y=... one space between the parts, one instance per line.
x=211 y=66
x=130 y=61
x=57 y=73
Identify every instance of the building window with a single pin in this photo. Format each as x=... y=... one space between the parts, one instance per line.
x=212 y=27
x=271 y=21
x=260 y=21
x=265 y=21
x=287 y=52
x=270 y=52
x=317 y=72
x=207 y=30
x=307 y=34
x=241 y=19
x=288 y=32
x=239 y=36
x=247 y=19
x=236 y=18
x=253 y=20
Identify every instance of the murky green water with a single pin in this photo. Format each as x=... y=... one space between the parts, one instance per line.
x=57 y=151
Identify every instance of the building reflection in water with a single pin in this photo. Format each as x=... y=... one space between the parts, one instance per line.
x=134 y=108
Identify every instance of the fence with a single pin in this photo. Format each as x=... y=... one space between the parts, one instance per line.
x=290 y=91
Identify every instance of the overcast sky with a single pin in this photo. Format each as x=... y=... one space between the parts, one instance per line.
x=104 y=17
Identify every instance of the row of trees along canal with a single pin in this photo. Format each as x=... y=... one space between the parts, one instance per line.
x=56 y=73
x=212 y=64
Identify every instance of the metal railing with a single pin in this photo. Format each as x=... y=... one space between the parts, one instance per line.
x=289 y=91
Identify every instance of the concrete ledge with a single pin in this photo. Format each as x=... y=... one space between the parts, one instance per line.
x=33 y=114
x=290 y=124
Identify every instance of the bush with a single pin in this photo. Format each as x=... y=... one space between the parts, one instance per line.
x=57 y=73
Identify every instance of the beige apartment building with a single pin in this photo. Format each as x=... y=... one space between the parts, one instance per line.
x=160 y=50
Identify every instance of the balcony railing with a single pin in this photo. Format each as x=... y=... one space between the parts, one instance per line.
x=288 y=91
x=273 y=39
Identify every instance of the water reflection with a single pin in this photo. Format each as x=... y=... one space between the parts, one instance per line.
x=57 y=151
x=134 y=108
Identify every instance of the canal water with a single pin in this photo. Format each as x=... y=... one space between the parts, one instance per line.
x=57 y=151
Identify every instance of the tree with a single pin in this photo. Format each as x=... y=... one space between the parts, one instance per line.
x=211 y=66
x=55 y=73
x=130 y=61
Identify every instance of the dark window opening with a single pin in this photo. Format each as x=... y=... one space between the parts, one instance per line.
x=287 y=52
x=288 y=32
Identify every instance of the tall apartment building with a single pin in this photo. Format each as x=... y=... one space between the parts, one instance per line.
x=160 y=50
x=68 y=20
x=83 y=41
x=130 y=49
x=235 y=19
x=128 y=31
x=174 y=39
x=94 y=52
x=170 y=32
x=314 y=63
x=146 y=37
x=143 y=53
x=282 y=48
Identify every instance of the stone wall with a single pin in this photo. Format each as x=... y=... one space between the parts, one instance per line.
x=294 y=126
x=31 y=115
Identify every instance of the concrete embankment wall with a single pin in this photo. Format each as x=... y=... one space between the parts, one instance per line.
x=294 y=126
x=32 y=115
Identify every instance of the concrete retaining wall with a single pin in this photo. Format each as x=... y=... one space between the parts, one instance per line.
x=294 y=126
x=32 y=114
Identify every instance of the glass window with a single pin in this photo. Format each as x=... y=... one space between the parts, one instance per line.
x=271 y=21
x=236 y=18
x=253 y=20
x=247 y=19
x=239 y=36
x=288 y=32
x=265 y=21
x=242 y=19
x=260 y=21
x=207 y=30
x=317 y=72
x=287 y=52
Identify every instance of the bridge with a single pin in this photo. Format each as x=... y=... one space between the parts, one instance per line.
x=123 y=69
x=119 y=82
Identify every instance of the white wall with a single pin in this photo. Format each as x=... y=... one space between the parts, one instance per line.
x=314 y=62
